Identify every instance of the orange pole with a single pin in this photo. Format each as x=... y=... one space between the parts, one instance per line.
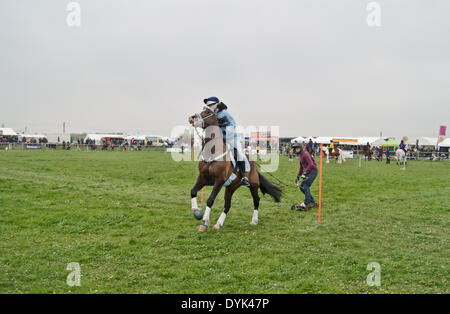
x=320 y=181
x=202 y=193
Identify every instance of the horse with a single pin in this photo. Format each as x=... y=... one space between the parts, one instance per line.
x=367 y=153
x=336 y=153
x=400 y=157
x=216 y=169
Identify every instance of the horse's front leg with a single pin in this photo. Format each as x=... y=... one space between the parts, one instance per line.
x=197 y=187
x=228 y=194
x=209 y=203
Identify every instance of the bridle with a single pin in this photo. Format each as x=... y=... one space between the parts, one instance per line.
x=202 y=119
x=199 y=117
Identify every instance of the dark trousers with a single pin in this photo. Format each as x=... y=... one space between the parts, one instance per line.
x=305 y=186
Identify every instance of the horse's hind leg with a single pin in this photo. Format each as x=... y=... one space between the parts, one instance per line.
x=254 y=191
x=197 y=187
x=228 y=195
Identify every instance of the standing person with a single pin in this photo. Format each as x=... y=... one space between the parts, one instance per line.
x=388 y=156
x=380 y=154
x=368 y=151
x=308 y=173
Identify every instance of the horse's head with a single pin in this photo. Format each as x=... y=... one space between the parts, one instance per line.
x=205 y=118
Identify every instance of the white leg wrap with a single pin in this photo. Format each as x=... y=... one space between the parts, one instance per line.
x=207 y=212
x=194 y=203
x=254 y=218
x=221 y=219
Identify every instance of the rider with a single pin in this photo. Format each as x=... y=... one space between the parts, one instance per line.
x=332 y=146
x=403 y=146
x=228 y=126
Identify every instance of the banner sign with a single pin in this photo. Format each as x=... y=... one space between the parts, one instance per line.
x=345 y=140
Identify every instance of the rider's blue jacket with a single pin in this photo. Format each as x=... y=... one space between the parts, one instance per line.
x=225 y=120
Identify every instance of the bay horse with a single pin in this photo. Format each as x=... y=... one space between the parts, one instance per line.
x=216 y=169
x=367 y=153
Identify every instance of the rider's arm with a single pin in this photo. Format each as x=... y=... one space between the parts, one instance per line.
x=225 y=119
x=300 y=171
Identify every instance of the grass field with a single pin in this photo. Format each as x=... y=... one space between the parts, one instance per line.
x=126 y=218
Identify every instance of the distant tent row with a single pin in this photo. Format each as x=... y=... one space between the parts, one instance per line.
x=373 y=141
x=9 y=133
x=154 y=140
x=354 y=141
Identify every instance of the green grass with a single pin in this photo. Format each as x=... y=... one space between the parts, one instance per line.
x=126 y=218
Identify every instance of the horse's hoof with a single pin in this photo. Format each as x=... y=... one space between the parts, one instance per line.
x=198 y=214
x=203 y=226
x=216 y=227
x=254 y=222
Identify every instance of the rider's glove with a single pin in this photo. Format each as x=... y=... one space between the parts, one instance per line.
x=303 y=177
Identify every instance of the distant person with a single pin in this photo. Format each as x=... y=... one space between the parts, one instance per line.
x=380 y=154
x=402 y=146
x=331 y=148
x=388 y=156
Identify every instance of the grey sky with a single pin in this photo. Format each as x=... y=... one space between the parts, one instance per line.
x=311 y=67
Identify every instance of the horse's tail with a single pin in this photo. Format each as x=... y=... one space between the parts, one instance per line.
x=268 y=187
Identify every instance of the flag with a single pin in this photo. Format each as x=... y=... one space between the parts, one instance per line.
x=442 y=130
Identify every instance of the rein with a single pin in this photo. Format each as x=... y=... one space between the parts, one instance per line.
x=199 y=117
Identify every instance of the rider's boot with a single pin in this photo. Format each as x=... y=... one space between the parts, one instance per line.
x=244 y=180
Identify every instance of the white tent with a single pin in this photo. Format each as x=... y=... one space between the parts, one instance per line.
x=323 y=139
x=97 y=138
x=7 y=132
x=377 y=142
x=135 y=137
x=410 y=141
x=363 y=140
x=445 y=143
x=326 y=139
x=299 y=139
x=36 y=136
x=427 y=141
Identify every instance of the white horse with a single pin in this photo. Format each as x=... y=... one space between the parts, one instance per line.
x=400 y=157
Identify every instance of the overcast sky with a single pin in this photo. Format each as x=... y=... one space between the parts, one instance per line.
x=310 y=67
